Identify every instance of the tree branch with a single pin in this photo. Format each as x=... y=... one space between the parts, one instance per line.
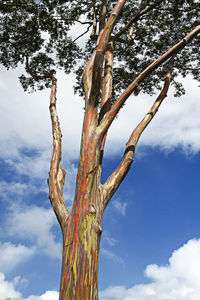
x=113 y=182
x=136 y=18
x=102 y=16
x=93 y=70
x=107 y=81
x=106 y=94
x=94 y=27
x=82 y=34
x=57 y=174
x=109 y=116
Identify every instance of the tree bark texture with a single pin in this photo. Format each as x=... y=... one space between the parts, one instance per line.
x=81 y=227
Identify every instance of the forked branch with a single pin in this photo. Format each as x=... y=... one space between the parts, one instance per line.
x=57 y=174
x=109 y=116
x=113 y=182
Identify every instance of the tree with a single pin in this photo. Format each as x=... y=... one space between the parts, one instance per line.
x=151 y=42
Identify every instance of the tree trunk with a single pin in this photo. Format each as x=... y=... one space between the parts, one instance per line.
x=81 y=244
x=81 y=227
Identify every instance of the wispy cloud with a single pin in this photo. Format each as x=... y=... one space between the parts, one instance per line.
x=119 y=206
x=109 y=239
x=112 y=256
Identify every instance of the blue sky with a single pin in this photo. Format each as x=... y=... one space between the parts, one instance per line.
x=151 y=239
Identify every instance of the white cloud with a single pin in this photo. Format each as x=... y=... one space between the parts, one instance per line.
x=34 y=167
x=16 y=190
x=176 y=124
x=26 y=117
x=119 y=206
x=109 y=239
x=27 y=122
x=179 y=280
x=35 y=224
x=110 y=255
x=8 y=291
x=11 y=255
x=8 y=188
x=49 y=295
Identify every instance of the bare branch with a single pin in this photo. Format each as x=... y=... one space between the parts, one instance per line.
x=106 y=94
x=82 y=34
x=92 y=72
x=136 y=18
x=107 y=82
x=57 y=174
x=109 y=117
x=130 y=34
x=113 y=182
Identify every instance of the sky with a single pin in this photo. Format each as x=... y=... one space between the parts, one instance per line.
x=150 y=247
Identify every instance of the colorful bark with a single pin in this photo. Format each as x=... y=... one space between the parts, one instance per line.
x=56 y=174
x=82 y=232
x=81 y=228
x=81 y=243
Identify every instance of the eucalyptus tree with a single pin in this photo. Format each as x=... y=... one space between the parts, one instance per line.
x=131 y=46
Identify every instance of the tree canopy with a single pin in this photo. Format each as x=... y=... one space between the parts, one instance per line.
x=40 y=35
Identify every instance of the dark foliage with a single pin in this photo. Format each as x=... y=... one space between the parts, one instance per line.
x=40 y=35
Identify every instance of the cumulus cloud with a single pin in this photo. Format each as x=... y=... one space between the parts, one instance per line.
x=35 y=224
x=26 y=117
x=49 y=295
x=8 y=291
x=175 y=125
x=27 y=123
x=179 y=280
x=15 y=254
